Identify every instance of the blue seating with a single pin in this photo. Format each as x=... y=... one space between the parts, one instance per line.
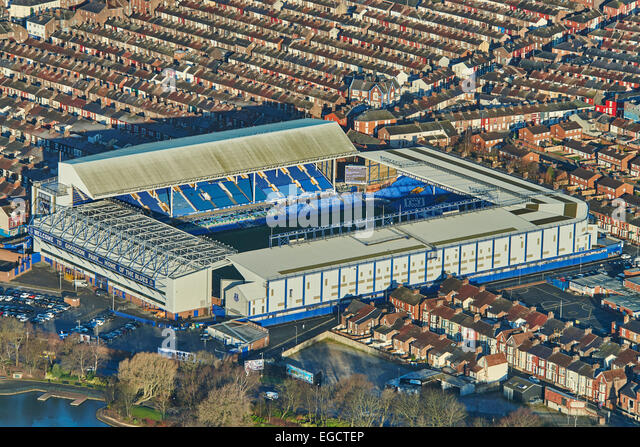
x=297 y=174
x=180 y=206
x=308 y=186
x=150 y=202
x=319 y=176
x=278 y=179
x=196 y=200
x=129 y=199
x=289 y=189
x=163 y=195
x=244 y=184
x=236 y=193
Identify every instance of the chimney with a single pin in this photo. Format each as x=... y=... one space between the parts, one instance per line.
x=535 y=342
x=550 y=315
x=442 y=337
x=625 y=319
x=465 y=281
x=476 y=318
x=478 y=349
x=575 y=357
x=556 y=349
x=482 y=288
x=415 y=291
x=457 y=310
x=587 y=330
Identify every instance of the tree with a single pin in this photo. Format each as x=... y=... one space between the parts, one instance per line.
x=387 y=403
x=522 y=417
x=364 y=409
x=193 y=382
x=148 y=373
x=33 y=353
x=549 y=176
x=440 y=409
x=98 y=355
x=290 y=395
x=225 y=406
x=76 y=356
x=13 y=334
x=407 y=409
x=126 y=393
x=348 y=388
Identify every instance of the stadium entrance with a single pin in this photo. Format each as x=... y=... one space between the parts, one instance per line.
x=102 y=282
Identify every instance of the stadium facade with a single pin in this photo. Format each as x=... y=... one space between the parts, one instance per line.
x=92 y=219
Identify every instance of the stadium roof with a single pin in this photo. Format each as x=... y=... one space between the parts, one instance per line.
x=205 y=157
x=123 y=236
x=463 y=177
x=399 y=239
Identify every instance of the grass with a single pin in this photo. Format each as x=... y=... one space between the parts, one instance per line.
x=140 y=412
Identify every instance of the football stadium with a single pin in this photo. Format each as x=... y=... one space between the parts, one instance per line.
x=145 y=222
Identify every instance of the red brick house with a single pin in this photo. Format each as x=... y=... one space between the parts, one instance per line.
x=606 y=386
x=371 y=121
x=612 y=188
x=629 y=399
x=583 y=178
x=487 y=140
x=629 y=330
x=511 y=152
x=360 y=318
x=534 y=136
x=615 y=159
x=407 y=300
x=569 y=130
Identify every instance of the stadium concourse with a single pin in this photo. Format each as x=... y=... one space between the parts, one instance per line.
x=114 y=219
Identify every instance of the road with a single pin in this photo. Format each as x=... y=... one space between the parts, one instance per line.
x=536 y=277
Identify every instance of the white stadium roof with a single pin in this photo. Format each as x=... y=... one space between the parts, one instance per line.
x=205 y=157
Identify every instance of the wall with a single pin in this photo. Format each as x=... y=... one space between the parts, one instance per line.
x=332 y=336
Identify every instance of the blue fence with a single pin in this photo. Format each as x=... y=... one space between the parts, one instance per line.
x=559 y=283
x=548 y=266
x=311 y=313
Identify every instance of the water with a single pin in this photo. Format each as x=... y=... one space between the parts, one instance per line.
x=24 y=410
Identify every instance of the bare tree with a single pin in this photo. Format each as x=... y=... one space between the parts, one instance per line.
x=32 y=353
x=148 y=373
x=98 y=354
x=364 y=408
x=407 y=409
x=290 y=395
x=225 y=406
x=347 y=389
x=76 y=357
x=387 y=403
x=440 y=409
x=126 y=394
x=13 y=334
x=193 y=384
x=522 y=417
